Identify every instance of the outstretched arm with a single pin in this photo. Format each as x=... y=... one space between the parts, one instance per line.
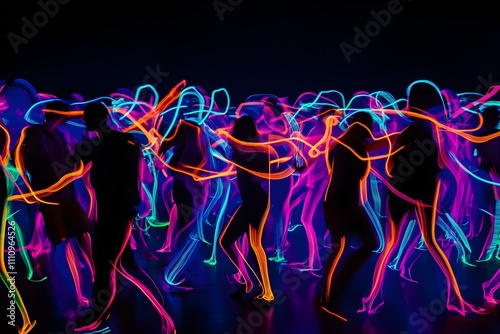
x=382 y=142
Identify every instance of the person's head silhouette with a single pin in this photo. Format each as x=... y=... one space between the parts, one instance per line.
x=273 y=103
x=490 y=117
x=422 y=96
x=244 y=129
x=364 y=118
x=95 y=115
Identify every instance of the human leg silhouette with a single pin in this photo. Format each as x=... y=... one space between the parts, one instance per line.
x=344 y=223
x=427 y=222
x=397 y=208
x=236 y=228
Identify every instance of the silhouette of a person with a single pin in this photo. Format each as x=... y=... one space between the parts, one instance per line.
x=415 y=180
x=489 y=163
x=189 y=195
x=276 y=118
x=314 y=185
x=251 y=215
x=44 y=146
x=44 y=149
x=17 y=98
x=413 y=174
x=489 y=166
x=114 y=175
x=343 y=211
x=4 y=188
x=186 y=153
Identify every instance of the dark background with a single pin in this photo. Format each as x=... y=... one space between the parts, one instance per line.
x=261 y=46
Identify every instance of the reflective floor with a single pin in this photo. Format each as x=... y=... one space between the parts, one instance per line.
x=410 y=307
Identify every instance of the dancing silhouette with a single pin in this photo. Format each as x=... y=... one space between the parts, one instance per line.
x=249 y=219
x=344 y=214
x=114 y=175
x=189 y=196
x=413 y=175
x=45 y=151
x=487 y=195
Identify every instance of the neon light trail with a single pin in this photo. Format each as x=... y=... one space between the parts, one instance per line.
x=263 y=183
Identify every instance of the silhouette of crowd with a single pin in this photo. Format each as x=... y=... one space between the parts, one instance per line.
x=374 y=177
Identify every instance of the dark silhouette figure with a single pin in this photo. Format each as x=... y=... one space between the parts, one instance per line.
x=19 y=96
x=189 y=195
x=415 y=168
x=489 y=162
x=45 y=156
x=187 y=153
x=413 y=175
x=44 y=152
x=4 y=188
x=276 y=119
x=250 y=216
x=487 y=195
x=491 y=117
x=344 y=214
x=114 y=175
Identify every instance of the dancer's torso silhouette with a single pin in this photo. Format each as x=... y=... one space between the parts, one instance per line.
x=250 y=217
x=343 y=210
x=46 y=158
x=115 y=179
